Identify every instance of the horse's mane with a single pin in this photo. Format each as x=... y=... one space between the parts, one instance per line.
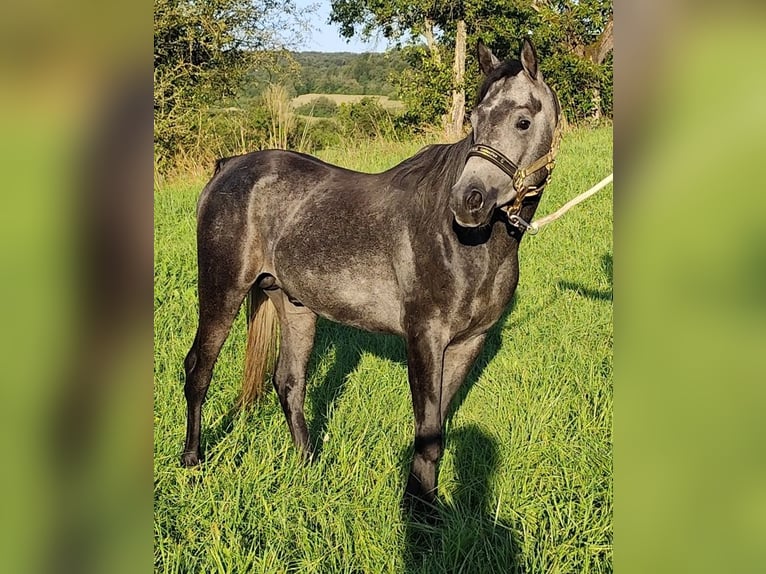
x=435 y=167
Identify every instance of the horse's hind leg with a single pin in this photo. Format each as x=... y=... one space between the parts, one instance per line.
x=219 y=301
x=298 y=326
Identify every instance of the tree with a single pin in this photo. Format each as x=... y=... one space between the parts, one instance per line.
x=396 y=19
x=574 y=35
x=447 y=26
x=578 y=35
x=202 y=49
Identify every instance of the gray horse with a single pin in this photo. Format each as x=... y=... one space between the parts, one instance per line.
x=427 y=250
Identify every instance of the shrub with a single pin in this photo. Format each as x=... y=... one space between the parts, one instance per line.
x=424 y=86
x=366 y=119
x=322 y=134
x=321 y=107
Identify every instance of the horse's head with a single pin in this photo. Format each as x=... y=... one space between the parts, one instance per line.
x=514 y=126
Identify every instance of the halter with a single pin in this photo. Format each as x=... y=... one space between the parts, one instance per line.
x=519 y=175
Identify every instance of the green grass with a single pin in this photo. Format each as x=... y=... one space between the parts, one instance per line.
x=525 y=482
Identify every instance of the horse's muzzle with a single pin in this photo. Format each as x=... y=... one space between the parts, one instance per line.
x=471 y=207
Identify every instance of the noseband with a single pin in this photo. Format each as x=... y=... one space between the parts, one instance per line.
x=519 y=175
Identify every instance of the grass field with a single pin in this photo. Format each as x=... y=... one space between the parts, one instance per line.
x=525 y=482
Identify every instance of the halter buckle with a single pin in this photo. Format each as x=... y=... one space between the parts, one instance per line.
x=522 y=224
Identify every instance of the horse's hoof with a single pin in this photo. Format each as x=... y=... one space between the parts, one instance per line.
x=309 y=456
x=420 y=502
x=189 y=459
x=416 y=490
x=420 y=510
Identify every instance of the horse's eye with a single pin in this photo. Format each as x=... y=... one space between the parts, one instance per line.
x=523 y=124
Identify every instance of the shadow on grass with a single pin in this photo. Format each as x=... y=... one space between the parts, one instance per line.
x=464 y=535
x=349 y=345
x=606 y=295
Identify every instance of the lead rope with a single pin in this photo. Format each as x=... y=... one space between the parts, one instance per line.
x=534 y=227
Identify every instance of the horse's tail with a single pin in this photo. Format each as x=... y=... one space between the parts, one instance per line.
x=261 y=352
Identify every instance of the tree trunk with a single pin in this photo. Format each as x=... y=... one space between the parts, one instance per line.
x=596 y=53
x=428 y=32
x=456 y=115
x=596 y=99
x=605 y=43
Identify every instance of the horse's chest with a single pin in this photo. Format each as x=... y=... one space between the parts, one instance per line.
x=486 y=304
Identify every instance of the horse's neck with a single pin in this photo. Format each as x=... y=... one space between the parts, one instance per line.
x=434 y=198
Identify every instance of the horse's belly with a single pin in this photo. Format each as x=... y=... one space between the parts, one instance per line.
x=360 y=299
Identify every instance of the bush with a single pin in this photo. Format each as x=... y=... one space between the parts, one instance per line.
x=574 y=81
x=212 y=133
x=424 y=86
x=366 y=119
x=322 y=134
x=321 y=107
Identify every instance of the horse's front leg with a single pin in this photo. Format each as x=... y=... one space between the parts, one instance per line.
x=425 y=354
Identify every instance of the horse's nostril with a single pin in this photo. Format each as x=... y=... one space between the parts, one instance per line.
x=474 y=200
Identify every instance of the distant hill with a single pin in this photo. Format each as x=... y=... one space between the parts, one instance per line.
x=347 y=73
x=338 y=73
x=384 y=101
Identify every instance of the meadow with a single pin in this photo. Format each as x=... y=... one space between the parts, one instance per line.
x=526 y=479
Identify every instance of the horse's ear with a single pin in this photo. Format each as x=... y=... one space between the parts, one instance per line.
x=529 y=58
x=487 y=60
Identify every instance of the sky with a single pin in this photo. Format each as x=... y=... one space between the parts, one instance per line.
x=326 y=37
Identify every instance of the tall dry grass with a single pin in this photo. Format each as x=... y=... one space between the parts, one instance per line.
x=283 y=120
